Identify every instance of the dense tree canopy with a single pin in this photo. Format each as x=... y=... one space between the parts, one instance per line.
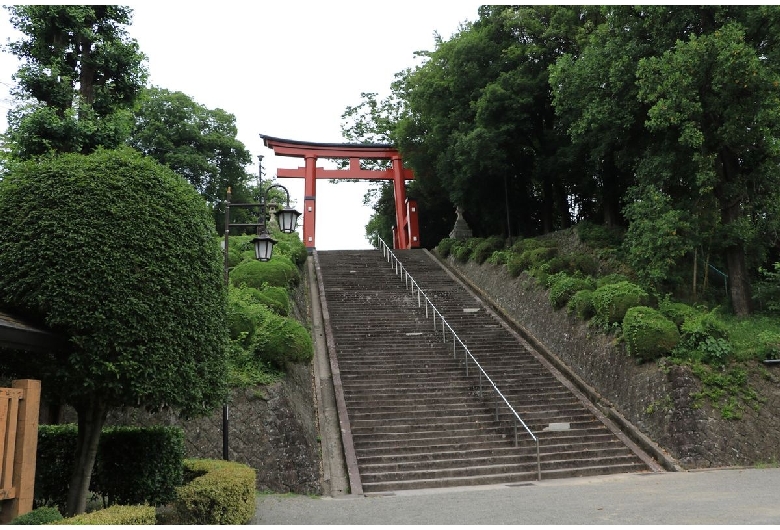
x=196 y=142
x=80 y=77
x=118 y=254
x=661 y=120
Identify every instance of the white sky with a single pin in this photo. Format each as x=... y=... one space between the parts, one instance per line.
x=285 y=69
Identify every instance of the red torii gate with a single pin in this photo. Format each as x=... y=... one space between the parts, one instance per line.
x=405 y=233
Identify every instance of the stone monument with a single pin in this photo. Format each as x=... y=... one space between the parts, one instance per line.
x=461 y=229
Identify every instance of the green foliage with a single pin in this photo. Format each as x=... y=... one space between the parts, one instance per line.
x=599 y=236
x=563 y=287
x=115 y=515
x=278 y=272
x=705 y=339
x=581 y=304
x=499 y=257
x=198 y=143
x=515 y=265
x=133 y=466
x=54 y=464
x=261 y=340
x=659 y=236
x=291 y=246
x=727 y=390
x=276 y=298
x=677 y=312
x=79 y=79
x=220 y=492
x=611 y=302
x=43 y=515
x=284 y=340
x=139 y=465
x=445 y=246
x=486 y=248
x=649 y=334
x=766 y=292
x=461 y=251
x=118 y=254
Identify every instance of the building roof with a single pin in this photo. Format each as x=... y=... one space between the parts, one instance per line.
x=17 y=334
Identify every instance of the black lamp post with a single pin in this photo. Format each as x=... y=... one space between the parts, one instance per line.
x=264 y=247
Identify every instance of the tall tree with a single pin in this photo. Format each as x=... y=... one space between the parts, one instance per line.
x=718 y=92
x=80 y=77
x=118 y=254
x=196 y=142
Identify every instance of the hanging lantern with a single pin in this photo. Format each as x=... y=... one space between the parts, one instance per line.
x=264 y=246
x=288 y=220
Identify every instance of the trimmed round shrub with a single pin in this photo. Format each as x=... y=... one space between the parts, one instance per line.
x=581 y=304
x=284 y=340
x=278 y=272
x=611 y=301
x=219 y=493
x=445 y=246
x=515 y=265
x=461 y=252
x=486 y=248
x=291 y=246
x=563 y=287
x=276 y=298
x=648 y=334
x=44 y=515
x=115 y=515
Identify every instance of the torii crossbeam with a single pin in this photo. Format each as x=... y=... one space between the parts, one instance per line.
x=405 y=233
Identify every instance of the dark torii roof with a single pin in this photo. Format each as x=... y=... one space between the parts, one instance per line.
x=299 y=148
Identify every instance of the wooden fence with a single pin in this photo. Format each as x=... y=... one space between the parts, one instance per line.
x=19 y=408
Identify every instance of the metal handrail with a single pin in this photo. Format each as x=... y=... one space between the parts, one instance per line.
x=409 y=281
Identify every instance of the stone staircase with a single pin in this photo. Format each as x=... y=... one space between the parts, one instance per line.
x=417 y=420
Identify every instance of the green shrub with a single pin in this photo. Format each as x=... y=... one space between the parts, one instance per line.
x=584 y=263
x=220 y=492
x=282 y=340
x=677 y=312
x=133 y=465
x=276 y=298
x=769 y=345
x=291 y=246
x=581 y=304
x=445 y=246
x=278 y=272
x=499 y=257
x=704 y=337
x=515 y=265
x=115 y=515
x=523 y=245
x=649 y=334
x=611 y=278
x=611 y=302
x=54 y=464
x=461 y=252
x=139 y=465
x=565 y=286
x=43 y=515
x=600 y=236
x=486 y=248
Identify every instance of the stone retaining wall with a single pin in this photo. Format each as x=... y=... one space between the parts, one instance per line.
x=657 y=401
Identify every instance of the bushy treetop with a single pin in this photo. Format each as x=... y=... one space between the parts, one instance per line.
x=118 y=254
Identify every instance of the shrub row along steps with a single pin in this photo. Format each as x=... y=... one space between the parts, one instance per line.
x=417 y=420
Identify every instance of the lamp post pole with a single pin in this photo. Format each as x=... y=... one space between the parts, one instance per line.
x=264 y=245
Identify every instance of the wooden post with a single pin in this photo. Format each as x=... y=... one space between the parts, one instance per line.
x=26 y=446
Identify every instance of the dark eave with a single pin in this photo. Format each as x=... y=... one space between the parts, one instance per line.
x=19 y=335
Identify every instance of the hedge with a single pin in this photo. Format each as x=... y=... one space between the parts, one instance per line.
x=220 y=492
x=115 y=515
x=133 y=466
x=648 y=334
x=43 y=515
x=563 y=287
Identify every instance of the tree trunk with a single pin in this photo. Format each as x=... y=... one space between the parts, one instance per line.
x=739 y=284
x=91 y=418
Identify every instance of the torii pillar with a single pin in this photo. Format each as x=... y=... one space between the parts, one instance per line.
x=406 y=233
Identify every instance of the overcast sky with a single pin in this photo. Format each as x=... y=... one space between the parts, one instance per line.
x=285 y=69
